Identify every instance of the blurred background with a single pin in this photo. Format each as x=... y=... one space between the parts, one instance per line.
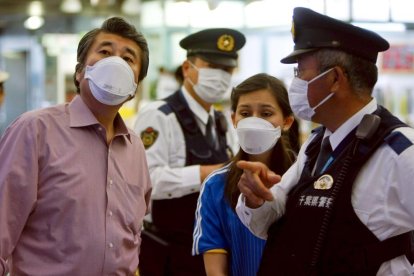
x=38 y=41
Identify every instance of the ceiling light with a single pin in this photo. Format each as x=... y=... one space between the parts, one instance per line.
x=35 y=8
x=71 y=6
x=34 y=22
x=131 y=7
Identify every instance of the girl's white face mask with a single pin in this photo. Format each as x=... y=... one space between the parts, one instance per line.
x=298 y=97
x=111 y=80
x=212 y=84
x=257 y=135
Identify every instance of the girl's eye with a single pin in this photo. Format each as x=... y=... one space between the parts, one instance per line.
x=244 y=114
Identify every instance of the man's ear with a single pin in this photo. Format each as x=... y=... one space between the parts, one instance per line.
x=185 y=67
x=340 y=78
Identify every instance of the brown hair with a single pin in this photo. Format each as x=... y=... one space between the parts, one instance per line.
x=118 y=26
x=283 y=154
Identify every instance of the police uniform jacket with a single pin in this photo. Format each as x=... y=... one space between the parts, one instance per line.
x=381 y=195
x=166 y=154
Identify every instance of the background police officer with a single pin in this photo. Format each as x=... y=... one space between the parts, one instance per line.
x=186 y=139
x=3 y=77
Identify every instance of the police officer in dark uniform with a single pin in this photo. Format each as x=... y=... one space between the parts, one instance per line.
x=345 y=207
x=185 y=140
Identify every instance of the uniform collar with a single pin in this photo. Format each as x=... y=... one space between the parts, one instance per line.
x=340 y=134
x=196 y=108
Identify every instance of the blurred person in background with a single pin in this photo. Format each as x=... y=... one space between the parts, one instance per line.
x=186 y=138
x=74 y=182
x=3 y=77
x=263 y=118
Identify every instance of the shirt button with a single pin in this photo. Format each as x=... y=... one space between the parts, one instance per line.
x=100 y=128
x=110 y=245
x=111 y=183
x=110 y=213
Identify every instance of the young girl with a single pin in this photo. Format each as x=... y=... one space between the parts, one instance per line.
x=262 y=117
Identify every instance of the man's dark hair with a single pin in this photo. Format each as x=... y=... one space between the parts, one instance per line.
x=117 y=26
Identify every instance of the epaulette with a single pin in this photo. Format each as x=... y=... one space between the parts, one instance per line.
x=165 y=108
x=398 y=142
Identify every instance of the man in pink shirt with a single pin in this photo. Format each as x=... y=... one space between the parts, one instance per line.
x=74 y=183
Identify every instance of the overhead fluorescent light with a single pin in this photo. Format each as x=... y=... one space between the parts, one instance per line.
x=131 y=7
x=35 y=8
x=382 y=27
x=71 y=6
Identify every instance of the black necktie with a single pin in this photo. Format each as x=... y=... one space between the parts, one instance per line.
x=209 y=132
x=323 y=156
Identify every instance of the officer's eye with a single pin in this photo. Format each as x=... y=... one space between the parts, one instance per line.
x=296 y=72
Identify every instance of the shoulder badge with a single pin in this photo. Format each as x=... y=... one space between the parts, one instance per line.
x=148 y=137
x=324 y=182
x=225 y=43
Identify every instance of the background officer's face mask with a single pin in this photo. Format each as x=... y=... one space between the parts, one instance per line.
x=257 y=135
x=111 y=80
x=212 y=84
x=298 y=97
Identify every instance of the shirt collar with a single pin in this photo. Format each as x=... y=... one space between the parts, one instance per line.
x=337 y=137
x=196 y=108
x=81 y=116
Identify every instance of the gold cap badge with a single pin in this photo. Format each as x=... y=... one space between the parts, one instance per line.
x=324 y=182
x=225 y=43
x=292 y=30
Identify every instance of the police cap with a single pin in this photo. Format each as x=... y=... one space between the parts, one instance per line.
x=312 y=31
x=218 y=46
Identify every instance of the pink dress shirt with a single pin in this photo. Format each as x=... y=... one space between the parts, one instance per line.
x=69 y=203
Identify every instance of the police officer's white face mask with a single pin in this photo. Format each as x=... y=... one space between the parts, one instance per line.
x=257 y=135
x=298 y=97
x=111 y=80
x=212 y=84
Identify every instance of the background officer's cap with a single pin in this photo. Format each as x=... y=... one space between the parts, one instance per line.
x=218 y=46
x=3 y=76
x=312 y=31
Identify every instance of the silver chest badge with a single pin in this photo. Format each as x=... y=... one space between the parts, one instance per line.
x=324 y=182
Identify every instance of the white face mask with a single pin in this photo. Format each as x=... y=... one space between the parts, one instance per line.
x=212 y=84
x=111 y=80
x=298 y=97
x=257 y=135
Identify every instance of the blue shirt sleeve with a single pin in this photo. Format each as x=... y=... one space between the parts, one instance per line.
x=208 y=231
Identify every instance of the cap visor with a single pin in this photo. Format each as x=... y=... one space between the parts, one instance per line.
x=219 y=60
x=293 y=57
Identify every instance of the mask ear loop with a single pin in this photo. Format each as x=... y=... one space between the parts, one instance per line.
x=327 y=97
x=193 y=65
x=321 y=75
